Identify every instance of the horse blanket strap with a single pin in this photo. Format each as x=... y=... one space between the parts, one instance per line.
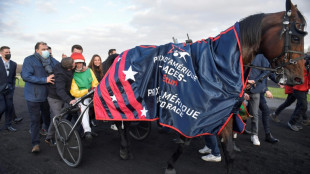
x=191 y=88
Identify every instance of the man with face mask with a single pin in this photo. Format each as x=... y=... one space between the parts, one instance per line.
x=37 y=72
x=7 y=86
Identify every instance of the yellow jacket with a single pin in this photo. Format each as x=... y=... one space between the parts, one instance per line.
x=76 y=92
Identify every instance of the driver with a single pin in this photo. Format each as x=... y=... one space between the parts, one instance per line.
x=83 y=81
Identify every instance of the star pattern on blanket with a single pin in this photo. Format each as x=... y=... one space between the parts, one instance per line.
x=143 y=112
x=113 y=97
x=130 y=74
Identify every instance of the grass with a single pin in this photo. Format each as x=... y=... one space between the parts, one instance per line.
x=19 y=82
x=279 y=93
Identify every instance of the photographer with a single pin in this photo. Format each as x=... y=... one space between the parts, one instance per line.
x=37 y=72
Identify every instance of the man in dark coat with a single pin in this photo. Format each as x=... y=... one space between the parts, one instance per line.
x=7 y=86
x=59 y=93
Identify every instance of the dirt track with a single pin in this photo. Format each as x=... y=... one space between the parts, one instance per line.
x=291 y=155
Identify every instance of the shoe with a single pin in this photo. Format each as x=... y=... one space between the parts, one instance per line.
x=235 y=135
x=17 y=120
x=94 y=134
x=292 y=126
x=212 y=158
x=306 y=122
x=299 y=126
x=255 y=140
x=88 y=136
x=236 y=148
x=43 y=132
x=35 y=149
x=205 y=150
x=11 y=129
x=93 y=122
x=275 y=117
x=270 y=139
x=113 y=127
x=51 y=142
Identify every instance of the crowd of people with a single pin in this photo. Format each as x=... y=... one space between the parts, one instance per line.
x=50 y=85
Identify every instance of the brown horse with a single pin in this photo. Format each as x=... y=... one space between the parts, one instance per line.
x=279 y=36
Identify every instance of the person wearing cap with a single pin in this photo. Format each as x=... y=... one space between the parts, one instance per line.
x=82 y=82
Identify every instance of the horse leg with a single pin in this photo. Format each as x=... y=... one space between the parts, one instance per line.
x=176 y=155
x=123 y=132
x=228 y=145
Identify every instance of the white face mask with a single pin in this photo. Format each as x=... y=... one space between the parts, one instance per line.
x=45 y=54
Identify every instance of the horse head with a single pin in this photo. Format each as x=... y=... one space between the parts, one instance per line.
x=282 y=43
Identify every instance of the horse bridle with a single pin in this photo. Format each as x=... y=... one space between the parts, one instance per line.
x=289 y=29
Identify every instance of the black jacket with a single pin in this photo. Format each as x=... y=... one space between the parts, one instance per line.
x=63 y=80
x=7 y=80
x=108 y=62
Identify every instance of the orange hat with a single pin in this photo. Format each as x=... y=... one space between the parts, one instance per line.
x=77 y=57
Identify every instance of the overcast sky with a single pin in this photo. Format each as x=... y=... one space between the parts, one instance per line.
x=99 y=25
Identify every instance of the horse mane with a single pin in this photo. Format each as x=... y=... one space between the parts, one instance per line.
x=250 y=30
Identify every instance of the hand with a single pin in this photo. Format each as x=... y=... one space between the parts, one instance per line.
x=84 y=68
x=281 y=86
x=91 y=88
x=248 y=86
x=50 y=79
x=269 y=94
x=251 y=81
x=63 y=55
x=246 y=96
x=72 y=101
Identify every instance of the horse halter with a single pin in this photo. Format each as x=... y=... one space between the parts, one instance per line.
x=289 y=30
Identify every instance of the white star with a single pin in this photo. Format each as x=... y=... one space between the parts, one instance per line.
x=119 y=58
x=113 y=98
x=144 y=111
x=130 y=74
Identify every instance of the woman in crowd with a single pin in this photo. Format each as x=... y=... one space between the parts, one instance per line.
x=95 y=65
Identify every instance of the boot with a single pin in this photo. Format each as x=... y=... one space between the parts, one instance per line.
x=236 y=148
x=270 y=139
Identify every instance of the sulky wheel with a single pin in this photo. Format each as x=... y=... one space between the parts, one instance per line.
x=139 y=130
x=69 y=148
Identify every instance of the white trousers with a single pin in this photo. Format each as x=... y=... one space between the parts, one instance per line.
x=85 y=118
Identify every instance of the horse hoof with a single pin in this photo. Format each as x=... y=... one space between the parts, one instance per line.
x=125 y=154
x=170 y=171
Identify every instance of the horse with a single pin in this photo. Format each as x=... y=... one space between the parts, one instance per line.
x=280 y=37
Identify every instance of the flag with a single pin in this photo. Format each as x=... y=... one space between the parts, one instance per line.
x=191 y=88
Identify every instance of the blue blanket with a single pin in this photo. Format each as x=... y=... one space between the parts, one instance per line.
x=192 y=88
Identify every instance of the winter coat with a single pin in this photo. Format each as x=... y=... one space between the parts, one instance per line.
x=35 y=77
x=81 y=83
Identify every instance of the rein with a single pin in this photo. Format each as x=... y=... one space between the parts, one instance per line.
x=291 y=61
x=288 y=30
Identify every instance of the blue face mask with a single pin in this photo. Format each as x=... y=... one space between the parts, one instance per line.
x=45 y=54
